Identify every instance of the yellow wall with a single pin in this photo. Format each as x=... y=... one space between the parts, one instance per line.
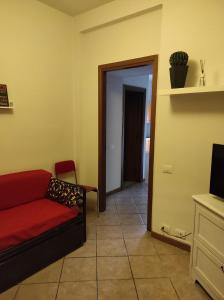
x=36 y=65
x=186 y=126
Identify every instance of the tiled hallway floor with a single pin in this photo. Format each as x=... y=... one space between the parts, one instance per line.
x=120 y=261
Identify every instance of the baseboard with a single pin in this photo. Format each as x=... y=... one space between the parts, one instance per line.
x=114 y=191
x=171 y=241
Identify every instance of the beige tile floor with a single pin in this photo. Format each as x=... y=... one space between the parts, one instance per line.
x=119 y=261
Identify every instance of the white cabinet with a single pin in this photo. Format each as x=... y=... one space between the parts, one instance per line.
x=207 y=256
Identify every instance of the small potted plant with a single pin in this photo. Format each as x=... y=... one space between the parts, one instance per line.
x=178 y=70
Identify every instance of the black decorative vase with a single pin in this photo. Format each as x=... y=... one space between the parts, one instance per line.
x=179 y=68
x=178 y=75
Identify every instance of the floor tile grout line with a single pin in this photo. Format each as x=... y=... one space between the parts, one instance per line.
x=81 y=257
x=97 y=286
x=36 y=283
x=91 y=280
x=114 y=279
x=174 y=288
x=116 y=206
x=131 y=271
x=78 y=281
x=56 y=296
x=135 y=255
x=16 y=293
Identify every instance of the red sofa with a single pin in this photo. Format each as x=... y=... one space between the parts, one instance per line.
x=34 y=230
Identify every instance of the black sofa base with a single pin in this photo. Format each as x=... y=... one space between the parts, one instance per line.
x=18 y=263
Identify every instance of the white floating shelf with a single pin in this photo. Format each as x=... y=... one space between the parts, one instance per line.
x=191 y=90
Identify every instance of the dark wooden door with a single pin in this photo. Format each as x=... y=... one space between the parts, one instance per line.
x=133 y=133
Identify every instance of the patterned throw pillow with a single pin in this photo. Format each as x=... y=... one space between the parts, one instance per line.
x=65 y=193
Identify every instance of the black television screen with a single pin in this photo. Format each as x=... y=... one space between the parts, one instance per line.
x=217 y=171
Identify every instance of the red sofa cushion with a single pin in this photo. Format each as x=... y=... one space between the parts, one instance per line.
x=23 y=187
x=24 y=222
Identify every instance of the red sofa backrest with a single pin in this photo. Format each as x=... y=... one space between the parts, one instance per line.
x=23 y=187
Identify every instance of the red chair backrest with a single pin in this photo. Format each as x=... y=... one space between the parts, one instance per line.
x=64 y=167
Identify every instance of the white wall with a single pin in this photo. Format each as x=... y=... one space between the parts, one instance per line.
x=36 y=64
x=187 y=126
x=114 y=94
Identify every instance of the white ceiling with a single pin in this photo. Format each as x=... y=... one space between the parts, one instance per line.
x=132 y=72
x=74 y=7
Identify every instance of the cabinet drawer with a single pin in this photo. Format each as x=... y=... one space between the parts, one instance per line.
x=209 y=230
x=209 y=270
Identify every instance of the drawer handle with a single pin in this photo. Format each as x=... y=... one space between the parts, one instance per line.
x=222 y=268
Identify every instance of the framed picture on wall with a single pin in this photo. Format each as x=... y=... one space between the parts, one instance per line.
x=4 y=101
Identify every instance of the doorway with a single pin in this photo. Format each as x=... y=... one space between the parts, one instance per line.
x=134 y=101
x=102 y=71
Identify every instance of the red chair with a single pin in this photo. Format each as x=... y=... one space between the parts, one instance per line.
x=67 y=166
